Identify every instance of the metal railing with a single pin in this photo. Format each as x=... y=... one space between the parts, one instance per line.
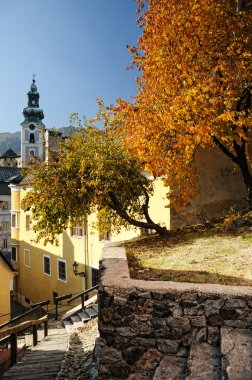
x=83 y=295
x=59 y=299
x=36 y=308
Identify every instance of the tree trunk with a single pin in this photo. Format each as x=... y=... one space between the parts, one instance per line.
x=162 y=231
x=241 y=160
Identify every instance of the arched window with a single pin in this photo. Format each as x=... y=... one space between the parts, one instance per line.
x=32 y=138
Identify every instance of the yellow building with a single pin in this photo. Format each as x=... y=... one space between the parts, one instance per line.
x=6 y=275
x=47 y=271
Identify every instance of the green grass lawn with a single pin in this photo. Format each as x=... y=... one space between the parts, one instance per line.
x=200 y=255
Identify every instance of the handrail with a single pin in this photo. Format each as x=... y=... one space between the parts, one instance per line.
x=30 y=311
x=62 y=298
x=22 y=326
x=83 y=293
x=57 y=300
x=42 y=303
x=12 y=332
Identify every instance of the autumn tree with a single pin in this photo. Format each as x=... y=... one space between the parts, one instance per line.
x=91 y=173
x=195 y=61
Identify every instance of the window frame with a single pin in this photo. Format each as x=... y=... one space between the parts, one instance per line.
x=5 y=243
x=58 y=271
x=75 y=231
x=16 y=253
x=105 y=236
x=27 y=222
x=14 y=214
x=94 y=275
x=5 y=205
x=25 y=255
x=5 y=226
x=32 y=153
x=49 y=258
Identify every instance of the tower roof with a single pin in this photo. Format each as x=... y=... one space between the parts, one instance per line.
x=33 y=113
x=33 y=87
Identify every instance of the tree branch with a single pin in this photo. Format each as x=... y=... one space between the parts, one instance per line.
x=146 y=208
x=225 y=150
x=123 y=214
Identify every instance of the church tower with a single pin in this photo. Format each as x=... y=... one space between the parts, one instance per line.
x=32 y=128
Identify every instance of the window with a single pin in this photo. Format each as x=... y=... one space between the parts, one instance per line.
x=104 y=235
x=47 y=265
x=27 y=300
x=27 y=258
x=32 y=152
x=13 y=253
x=5 y=243
x=94 y=277
x=27 y=222
x=3 y=205
x=78 y=231
x=5 y=226
x=62 y=270
x=145 y=231
x=32 y=138
x=14 y=220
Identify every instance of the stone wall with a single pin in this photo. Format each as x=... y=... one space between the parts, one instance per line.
x=220 y=186
x=148 y=328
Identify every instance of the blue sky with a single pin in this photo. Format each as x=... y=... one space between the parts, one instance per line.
x=76 y=48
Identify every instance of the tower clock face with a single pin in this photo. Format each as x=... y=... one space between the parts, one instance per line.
x=32 y=127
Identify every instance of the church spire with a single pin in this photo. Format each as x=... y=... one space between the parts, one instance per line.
x=33 y=113
x=32 y=128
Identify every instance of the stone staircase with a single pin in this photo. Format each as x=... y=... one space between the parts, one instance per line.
x=44 y=360
x=78 y=317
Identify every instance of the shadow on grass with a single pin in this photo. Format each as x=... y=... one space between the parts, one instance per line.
x=141 y=250
x=200 y=277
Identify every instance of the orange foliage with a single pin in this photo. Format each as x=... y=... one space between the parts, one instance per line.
x=195 y=59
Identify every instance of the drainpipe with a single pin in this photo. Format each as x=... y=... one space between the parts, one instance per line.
x=85 y=253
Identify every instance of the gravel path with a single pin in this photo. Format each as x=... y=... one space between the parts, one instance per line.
x=79 y=362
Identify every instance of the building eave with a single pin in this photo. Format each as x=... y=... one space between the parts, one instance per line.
x=10 y=267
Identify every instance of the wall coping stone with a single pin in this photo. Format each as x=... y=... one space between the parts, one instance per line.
x=115 y=272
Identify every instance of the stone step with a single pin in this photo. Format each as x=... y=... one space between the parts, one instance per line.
x=204 y=362
x=20 y=370
x=74 y=318
x=23 y=369
x=53 y=338
x=47 y=357
x=92 y=311
x=30 y=376
x=236 y=349
x=50 y=343
x=76 y=321
x=84 y=316
x=68 y=326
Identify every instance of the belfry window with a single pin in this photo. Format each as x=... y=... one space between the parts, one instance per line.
x=32 y=138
